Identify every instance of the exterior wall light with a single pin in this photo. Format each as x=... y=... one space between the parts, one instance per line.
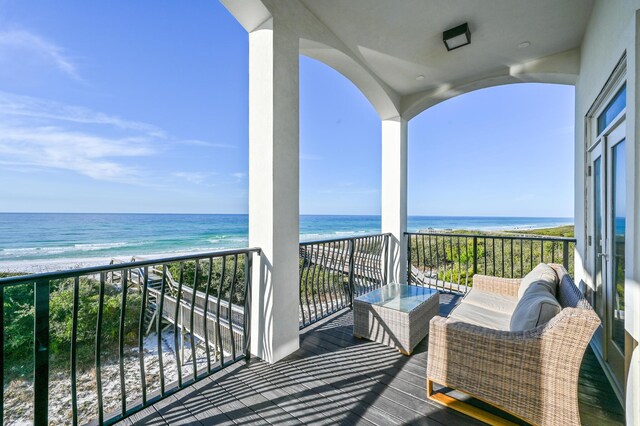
x=457 y=37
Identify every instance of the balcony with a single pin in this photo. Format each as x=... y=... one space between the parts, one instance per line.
x=335 y=378
x=172 y=355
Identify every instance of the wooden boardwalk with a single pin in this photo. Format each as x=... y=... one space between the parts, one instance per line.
x=336 y=379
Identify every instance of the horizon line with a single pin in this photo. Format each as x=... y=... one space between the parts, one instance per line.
x=301 y=214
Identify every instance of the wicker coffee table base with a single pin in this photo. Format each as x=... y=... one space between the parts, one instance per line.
x=400 y=330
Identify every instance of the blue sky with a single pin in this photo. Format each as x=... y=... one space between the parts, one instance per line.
x=142 y=107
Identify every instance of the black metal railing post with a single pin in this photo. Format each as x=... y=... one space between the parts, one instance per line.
x=98 y=349
x=192 y=336
x=565 y=254
x=475 y=255
x=408 y=237
x=74 y=351
x=41 y=354
x=160 y=313
x=387 y=254
x=205 y=325
x=121 y=347
x=2 y=352
x=351 y=271
x=141 y=324
x=248 y=272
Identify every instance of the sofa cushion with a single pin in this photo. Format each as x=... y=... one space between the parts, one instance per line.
x=536 y=307
x=482 y=316
x=542 y=274
x=492 y=301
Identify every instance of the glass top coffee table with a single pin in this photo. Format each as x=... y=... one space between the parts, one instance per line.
x=396 y=315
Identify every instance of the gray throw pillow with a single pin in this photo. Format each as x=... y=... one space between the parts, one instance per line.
x=542 y=274
x=536 y=307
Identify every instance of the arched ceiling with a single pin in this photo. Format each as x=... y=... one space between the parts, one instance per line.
x=401 y=40
x=396 y=41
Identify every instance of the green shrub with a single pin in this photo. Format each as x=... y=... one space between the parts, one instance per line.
x=19 y=324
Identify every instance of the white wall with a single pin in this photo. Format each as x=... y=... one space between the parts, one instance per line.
x=612 y=31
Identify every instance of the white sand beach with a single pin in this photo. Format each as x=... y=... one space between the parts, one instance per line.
x=19 y=393
x=31 y=266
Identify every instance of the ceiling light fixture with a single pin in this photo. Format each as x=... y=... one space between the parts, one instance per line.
x=457 y=37
x=524 y=44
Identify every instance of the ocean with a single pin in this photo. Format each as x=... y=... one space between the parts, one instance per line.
x=34 y=242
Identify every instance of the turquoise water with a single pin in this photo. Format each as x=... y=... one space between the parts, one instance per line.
x=40 y=236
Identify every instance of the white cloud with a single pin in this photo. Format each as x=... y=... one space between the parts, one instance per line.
x=28 y=107
x=43 y=134
x=206 y=144
x=193 y=177
x=239 y=175
x=18 y=44
x=86 y=154
x=37 y=133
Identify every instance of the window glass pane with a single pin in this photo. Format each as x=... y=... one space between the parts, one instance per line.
x=616 y=105
x=598 y=304
x=619 y=225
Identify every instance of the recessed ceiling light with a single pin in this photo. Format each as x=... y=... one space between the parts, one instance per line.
x=524 y=44
x=420 y=77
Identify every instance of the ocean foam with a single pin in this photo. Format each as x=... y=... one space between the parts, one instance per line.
x=53 y=250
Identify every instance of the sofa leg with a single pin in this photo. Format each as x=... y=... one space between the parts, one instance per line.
x=464 y=408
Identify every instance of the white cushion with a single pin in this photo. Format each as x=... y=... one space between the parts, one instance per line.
x=492 y=301
x=479 y=315
x=536 y=307
x=542 y=274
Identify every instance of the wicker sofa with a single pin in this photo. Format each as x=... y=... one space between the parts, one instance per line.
x=531 y=374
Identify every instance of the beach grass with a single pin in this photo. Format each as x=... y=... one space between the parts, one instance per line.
x=558 y=231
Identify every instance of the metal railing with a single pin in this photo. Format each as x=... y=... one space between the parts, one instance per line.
x=112 y=340
x=333 y=272
x=449 y=261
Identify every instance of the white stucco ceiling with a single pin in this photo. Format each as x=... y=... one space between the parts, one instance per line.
x=384 y=45
x=402 y=39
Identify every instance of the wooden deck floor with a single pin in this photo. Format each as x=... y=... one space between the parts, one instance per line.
x=336 y=379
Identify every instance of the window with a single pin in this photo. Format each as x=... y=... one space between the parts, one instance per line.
x=612 y=110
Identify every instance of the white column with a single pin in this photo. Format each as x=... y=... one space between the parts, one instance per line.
x=273 y=190
x=394 y=194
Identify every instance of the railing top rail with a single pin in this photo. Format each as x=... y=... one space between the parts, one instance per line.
x=506 y=237
x=334 y=240
x=92 y=270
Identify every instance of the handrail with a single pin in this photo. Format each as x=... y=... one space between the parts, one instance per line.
x=335 y=240
x=93 y=270
x=506 y=237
